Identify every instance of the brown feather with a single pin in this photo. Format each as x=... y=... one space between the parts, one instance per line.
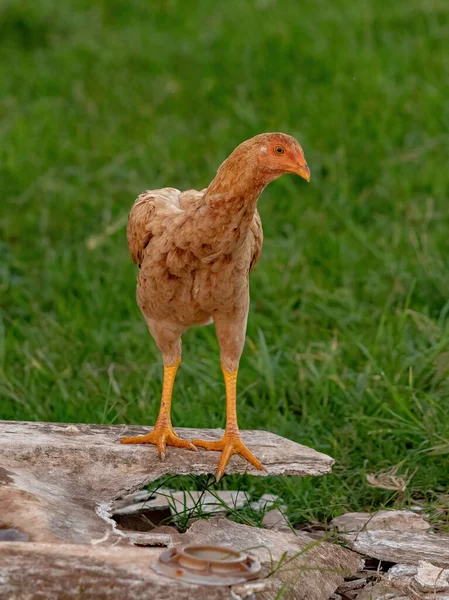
x=196 y=249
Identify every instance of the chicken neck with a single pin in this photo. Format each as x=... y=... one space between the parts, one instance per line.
x=229 y=204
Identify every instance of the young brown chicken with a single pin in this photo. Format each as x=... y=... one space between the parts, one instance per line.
x=195 y=251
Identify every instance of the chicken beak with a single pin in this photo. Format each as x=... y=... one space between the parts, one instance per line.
x=303 y=171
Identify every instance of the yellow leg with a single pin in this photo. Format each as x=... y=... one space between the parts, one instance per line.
x=231 y=442
x=163 y=433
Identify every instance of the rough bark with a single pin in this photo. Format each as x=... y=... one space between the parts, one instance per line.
x=59 y=479
x=405 y=547
x=57 y=486
x=73 y=571
x=312 y=570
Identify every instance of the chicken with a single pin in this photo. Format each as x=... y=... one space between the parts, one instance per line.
x=195 y=251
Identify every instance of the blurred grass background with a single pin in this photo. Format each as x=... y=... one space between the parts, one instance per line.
x=348 y=334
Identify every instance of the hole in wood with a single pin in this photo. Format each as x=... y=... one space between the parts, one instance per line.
x=193 y=498
x=143 y=519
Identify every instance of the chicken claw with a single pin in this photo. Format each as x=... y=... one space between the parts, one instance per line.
x=161 y=436
x=230 y=444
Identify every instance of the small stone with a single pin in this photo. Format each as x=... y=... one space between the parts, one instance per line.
x=382 y=591
x=401 y=577
x=430 y=578
x=266 y=502
x=405 y=547
x=397 y=573
x=70 y=429
x=275 y=519
x=393 y=520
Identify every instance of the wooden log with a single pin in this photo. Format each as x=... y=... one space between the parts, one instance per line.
x=96 y=449
x=60 y=479
x=57 y=486
x=74 y=571
x=398 y=536
x=405 y=547
x=292 y=568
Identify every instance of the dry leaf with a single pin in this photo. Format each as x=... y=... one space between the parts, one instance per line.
x=390 y=480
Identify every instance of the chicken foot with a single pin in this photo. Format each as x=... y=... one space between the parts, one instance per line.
x=230 y=443
x=163 y=434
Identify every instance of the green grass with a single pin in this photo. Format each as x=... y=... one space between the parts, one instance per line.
x=348 y=337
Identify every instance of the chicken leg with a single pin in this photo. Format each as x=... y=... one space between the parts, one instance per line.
x=230 y=443
x=231 y=337
x=163 y=434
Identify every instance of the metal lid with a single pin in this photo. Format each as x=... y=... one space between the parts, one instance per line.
x=207 y=565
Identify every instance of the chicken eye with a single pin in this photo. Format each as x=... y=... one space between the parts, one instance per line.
x=279 y=150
